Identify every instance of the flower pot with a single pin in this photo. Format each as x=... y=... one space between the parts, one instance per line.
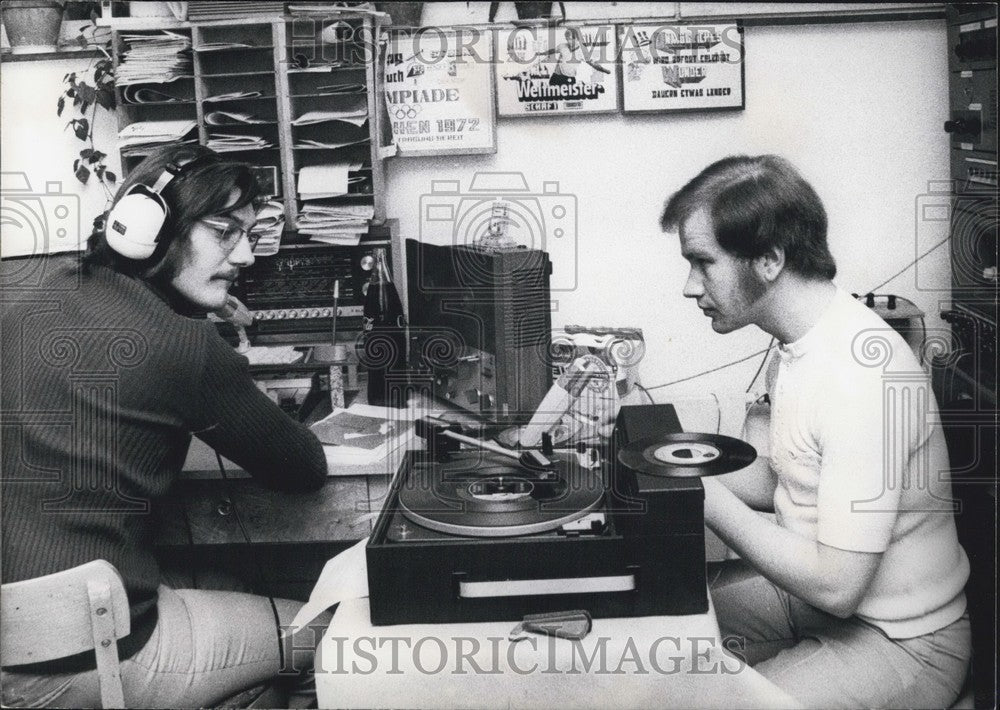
x=402 y=14
x=32 y=25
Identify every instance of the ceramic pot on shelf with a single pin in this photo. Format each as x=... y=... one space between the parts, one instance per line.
x=32 y=25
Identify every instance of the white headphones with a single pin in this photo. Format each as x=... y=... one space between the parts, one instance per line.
x=133 y=225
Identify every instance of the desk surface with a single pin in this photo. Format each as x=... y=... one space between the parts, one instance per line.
x=655 y=662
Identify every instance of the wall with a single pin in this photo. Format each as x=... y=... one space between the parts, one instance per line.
x=857 y=107
x=35 y=142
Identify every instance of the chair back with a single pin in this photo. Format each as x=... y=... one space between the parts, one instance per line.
x=66 y=613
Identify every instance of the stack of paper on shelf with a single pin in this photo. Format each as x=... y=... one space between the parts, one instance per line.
x=154 y=58
x=231 y=118
x=233 y=96
x=136 y=94
x=354 y=116
x=223 y=142
x=354 y=438
x=145 y=134
x=311 y=144
x=327 y=180
x=334 y=224
x=270 y=224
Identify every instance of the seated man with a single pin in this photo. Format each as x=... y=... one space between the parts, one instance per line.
x=108 y=369
x=856 y=599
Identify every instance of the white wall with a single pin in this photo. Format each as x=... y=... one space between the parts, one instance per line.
x=35 y=142
x=857 y=107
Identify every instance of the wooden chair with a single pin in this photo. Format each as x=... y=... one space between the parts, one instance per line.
x=66 y=613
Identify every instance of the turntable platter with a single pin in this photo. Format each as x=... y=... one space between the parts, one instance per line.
x=481 y=495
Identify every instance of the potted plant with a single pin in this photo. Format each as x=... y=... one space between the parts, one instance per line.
x=85 y=92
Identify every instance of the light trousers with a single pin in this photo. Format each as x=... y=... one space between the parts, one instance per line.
x=828 y=662
x=207 y=646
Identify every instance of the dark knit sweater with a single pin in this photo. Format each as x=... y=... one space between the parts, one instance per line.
x=103 y=384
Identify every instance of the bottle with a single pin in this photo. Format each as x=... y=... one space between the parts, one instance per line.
x=383 y=341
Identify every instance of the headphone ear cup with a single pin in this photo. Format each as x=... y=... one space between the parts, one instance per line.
x=134 y=223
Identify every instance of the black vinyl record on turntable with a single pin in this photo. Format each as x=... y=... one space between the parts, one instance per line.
x=488 y=496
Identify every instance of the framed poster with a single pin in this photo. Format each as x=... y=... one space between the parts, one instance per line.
x=556 y=70
x=439 y=92
x=674 y=67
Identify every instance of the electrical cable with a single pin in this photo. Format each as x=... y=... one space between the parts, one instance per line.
x=256 y=561
x=646 y=392
x=764 y=360
x=707 y=372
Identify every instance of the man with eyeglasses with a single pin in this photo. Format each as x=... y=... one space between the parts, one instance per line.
x=118 y=352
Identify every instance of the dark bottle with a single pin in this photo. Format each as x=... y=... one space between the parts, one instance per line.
x=383 y=344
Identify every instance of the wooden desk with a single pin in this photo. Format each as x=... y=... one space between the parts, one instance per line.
x=654 y=662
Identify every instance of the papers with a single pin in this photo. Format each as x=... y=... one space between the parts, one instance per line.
x=338 y=89
x=344 y=577
x=353 y=438
x=327 y=180
x=148 y=133
x=154 y=58
x=233 y=96
x=145 y=95
x=356 y=117
x=232 y=118
x=273 y=355
x=270 y=224
x=310 y=144
x=223 y=142
x=334 y=224
x=218 y=46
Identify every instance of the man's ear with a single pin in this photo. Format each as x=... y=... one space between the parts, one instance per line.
x=769 y=265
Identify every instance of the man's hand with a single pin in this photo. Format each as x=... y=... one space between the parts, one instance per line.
x=829 y=578
x=754 y=485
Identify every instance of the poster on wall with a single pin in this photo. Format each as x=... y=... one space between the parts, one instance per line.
x=671 y=67
x=439 y=93
x=542 y=71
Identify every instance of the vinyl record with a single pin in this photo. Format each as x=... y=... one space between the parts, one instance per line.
x=511 y=437
x=687 y=455
x=485 y=496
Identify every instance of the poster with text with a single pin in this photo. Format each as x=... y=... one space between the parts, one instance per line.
x=439 y=93
x=671 y=67
x=556 y=70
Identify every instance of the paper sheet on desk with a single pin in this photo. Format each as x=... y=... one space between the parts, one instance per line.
x=344 y=577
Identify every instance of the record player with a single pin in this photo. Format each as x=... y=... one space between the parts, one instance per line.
x=486 y=534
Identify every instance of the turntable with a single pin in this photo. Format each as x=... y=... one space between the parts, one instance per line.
x=490 y=534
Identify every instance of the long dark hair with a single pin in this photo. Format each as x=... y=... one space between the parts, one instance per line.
x=757 y=203
x=199 y=191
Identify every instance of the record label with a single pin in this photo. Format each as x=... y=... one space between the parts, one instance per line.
x=687 y=455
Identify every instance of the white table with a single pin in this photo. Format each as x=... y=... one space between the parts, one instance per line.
x=655 y=662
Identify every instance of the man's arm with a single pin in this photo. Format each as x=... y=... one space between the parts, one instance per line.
x=242 y=424
x=754 y=485
x=829 y=578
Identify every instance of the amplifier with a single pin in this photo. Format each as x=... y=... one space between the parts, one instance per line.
x=290 y=295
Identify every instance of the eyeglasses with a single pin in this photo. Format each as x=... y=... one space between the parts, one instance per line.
x=230 y=233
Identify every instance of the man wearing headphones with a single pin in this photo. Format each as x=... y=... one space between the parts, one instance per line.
x=108 y=369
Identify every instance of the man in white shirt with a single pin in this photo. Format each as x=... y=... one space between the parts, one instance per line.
x=855 y=597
